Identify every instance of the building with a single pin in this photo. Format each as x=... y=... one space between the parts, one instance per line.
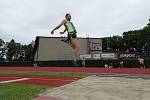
x=52 y=48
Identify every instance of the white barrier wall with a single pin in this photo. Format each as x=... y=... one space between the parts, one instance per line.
x=52 y=48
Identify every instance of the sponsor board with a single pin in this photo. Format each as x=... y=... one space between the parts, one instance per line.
x=128 y=55
x=95 y=46
x=86 y=56
x=108 y=55
x=96 y=56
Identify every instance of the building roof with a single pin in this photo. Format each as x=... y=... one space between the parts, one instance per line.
x=66 y=37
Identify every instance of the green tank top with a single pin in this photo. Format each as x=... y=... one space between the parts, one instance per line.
x=70 y=27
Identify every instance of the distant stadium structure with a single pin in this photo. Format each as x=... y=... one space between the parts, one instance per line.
x=52 y=48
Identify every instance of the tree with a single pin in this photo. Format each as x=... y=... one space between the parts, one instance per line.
x=28 y=52
x=139 y=39
x=130 y=39
x=1 y=42
x=13 y=49
x=133 y=40
x=115 y=43
x=105 y=44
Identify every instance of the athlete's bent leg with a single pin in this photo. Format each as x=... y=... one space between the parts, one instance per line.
x=72 y=46
x=75 y=46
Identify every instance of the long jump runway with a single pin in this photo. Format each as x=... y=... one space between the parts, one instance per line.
x=50 y=81
x=53 y=81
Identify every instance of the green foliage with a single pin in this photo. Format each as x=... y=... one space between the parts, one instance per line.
x=138 y=39
x=115 y=42
x=13 y=49
x=16 y=50
x=1 y=42
x=17 y=63
x=28 y=52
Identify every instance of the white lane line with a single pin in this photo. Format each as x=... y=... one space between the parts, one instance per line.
x=53 y=79
x=16 y=80
x=10 y=77
x=46 y=79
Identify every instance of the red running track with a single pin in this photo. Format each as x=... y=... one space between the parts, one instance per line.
x=7 y=78
x=50 y=81
x=75 y=69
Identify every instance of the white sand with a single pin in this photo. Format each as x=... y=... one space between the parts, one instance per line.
x=103 y=88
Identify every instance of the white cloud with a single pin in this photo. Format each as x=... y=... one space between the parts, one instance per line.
x=25 y=19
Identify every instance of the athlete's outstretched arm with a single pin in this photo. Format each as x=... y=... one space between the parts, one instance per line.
x=63 y=31
x=57 y=27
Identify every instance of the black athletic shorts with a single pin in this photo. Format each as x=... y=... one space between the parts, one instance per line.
x=71 y=36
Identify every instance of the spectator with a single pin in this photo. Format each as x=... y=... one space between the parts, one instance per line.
x=83 y=62
x=111 y=65
x=106 y=66
x=141 y=62
x=121 y=63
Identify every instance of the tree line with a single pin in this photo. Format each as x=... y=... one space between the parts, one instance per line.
x=13 y=51
x=131 y=41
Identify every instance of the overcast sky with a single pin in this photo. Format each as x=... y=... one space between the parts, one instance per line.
x=23 y=20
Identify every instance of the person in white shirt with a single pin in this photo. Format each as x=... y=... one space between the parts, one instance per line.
x=141 y=62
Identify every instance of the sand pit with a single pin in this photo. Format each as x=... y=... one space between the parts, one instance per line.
x=104 y=87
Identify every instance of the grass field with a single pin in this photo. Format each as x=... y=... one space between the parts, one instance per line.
x=19 y=91
x=13 y=91
x=82 y=75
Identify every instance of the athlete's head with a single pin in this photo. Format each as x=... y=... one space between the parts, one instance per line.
x=68 y=16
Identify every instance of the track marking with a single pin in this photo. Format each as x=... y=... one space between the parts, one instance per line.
x=16 y=80
x=54 y=79
x=10 y=77
x=48 y=79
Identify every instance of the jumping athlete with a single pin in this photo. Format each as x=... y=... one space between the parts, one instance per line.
x=72 y=37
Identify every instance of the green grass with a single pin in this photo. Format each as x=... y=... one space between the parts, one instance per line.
x=20 y=92
x=29 y=92
x=82 y=75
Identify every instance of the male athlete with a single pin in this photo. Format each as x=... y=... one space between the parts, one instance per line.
x=72 y=37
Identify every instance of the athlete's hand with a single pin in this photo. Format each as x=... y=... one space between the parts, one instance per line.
x=52 y=32
x=61 y=33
